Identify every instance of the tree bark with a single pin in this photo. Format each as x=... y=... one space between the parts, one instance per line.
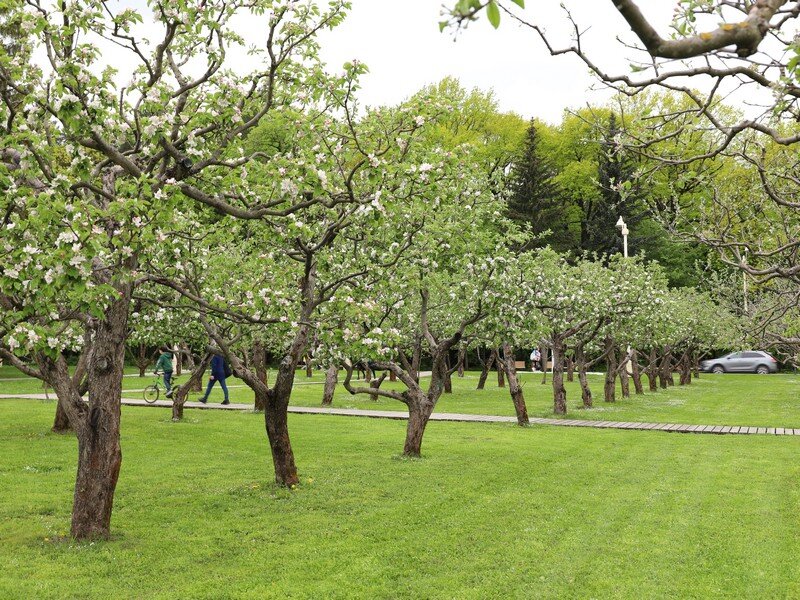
x=462 y=358
x=309 y=368
x=609 y=388
x=331 y=378
x=665 y=368
x=513 y=385
x=375 y=384
x=559 y=392
x=419 y=412
x=487 y=366
x=501 y=379
x=448 y=376
x=416 y=357
x=685 y=369
x=570 y=368
x=586 y=392
x=61 y=422
x=260 y=367
x=544 y=364
x=652 y=370
x=99 y=452
x=636 y=373
x=142 y=359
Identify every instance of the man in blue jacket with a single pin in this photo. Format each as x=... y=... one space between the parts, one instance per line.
x=218 y=373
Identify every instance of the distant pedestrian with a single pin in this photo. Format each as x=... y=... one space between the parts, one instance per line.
x=536 y=359
x=219 y=372
x=164 y=364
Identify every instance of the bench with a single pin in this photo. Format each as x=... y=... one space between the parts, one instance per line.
x=519 y=364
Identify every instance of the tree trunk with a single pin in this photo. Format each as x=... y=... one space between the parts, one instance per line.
x=61 y=422
x=570 y=368
x=331 y=378
x=695 y=365
x=609 y=388
x=181 y=394
x=416 y=357
x=462 y=358
x=544 y=365
x=652 y=370
x=586 y=393
x=419 y=412
x=559 y=392
x=375 y=384
x=309 y=368
x=501 y=375
x=260 y=367
x=513 y=385
x=636 y=373
x=623 y=377
x=99 y=453
x=487 y=366
x=448 y=376
x=276 y=418
x=142 y=360
x=685 y=369
x=178 y=360
x=665 y=368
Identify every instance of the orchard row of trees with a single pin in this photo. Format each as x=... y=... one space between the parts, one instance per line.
x=245 y=211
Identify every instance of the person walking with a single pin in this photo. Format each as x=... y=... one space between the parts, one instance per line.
x=164 y=364
x=536 y=358
x=219 y=372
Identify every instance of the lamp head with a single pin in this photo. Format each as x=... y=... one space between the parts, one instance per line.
x=620 y=223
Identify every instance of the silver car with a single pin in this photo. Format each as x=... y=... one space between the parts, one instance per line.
x=749 y=361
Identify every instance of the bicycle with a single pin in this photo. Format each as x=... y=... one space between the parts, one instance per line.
x=153 y=391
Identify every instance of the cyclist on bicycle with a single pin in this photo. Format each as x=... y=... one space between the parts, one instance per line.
x=165 y=365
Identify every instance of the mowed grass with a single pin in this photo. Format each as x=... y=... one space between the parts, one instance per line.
x=491 y=511
x=730 y=399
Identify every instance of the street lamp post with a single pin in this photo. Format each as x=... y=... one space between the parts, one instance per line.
x=623 y=228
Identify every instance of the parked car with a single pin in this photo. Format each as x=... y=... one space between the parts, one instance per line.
x=749 y=361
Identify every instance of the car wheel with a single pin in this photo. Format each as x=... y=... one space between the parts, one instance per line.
x=717 y=369
x=762 y=369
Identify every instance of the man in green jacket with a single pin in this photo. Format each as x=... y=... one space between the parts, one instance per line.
x=164 y=364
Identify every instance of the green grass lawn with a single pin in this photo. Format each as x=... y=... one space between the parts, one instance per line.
x=491 y=511
x=731 y=399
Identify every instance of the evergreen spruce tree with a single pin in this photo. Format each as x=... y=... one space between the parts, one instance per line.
x=534 y=198
x=619 y=197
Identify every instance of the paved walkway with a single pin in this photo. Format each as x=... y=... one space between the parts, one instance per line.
x=458 y=417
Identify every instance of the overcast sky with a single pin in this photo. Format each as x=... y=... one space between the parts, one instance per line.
x=405 y=51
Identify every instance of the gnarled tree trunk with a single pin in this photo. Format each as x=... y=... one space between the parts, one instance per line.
x=665 y=369
x=487 y=366
x=180 y=395
x=652 y=370
x=99 y=452
x=559 y=392
x=586 y=392
x=609 y=387
x=260 y=367
x=570 y=368
x=636 y=373
x=331 y=378
x=513 y=385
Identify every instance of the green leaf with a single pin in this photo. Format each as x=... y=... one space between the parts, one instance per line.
x=493 y=13
x=442 y=25
x=520 y=3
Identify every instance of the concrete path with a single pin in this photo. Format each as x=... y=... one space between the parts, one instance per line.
x=392 y=414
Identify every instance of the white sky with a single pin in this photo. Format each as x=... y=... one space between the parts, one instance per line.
x=405 y=51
